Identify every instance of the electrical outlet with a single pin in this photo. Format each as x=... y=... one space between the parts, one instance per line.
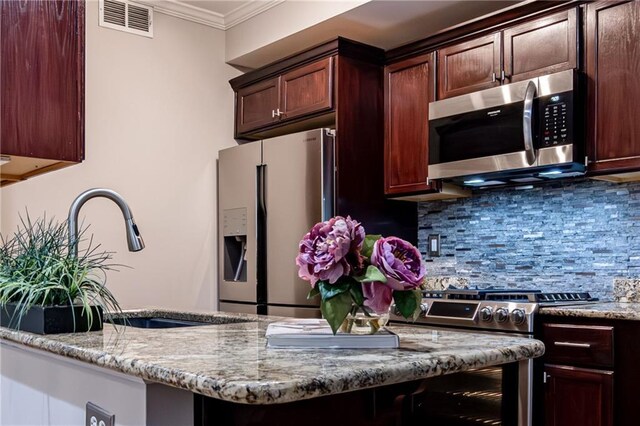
x=96 y=416
x=433 y=241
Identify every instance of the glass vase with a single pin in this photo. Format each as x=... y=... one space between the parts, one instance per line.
x=362 y=320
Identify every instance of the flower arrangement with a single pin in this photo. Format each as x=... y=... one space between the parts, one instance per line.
x=350 y=270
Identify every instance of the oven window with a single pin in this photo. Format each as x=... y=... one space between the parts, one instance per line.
x=476 y=134
x=486 y=396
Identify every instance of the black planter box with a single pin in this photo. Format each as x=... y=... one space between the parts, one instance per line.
x=50 y=319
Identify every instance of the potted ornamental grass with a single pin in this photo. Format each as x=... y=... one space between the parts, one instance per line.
x=44 y=288
x=359 y=276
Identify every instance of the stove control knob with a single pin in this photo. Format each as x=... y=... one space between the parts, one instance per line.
x=518 y=316
x=486 y=314
x=502 y=315
x=423 y=309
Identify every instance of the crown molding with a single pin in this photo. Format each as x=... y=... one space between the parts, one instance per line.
x=206 y=17
x=248 y=11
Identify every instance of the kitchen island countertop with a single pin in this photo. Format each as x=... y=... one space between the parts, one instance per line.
x=230 y=361
x=603 y=310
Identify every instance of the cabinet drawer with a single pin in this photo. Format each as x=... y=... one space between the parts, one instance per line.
x=571 y=344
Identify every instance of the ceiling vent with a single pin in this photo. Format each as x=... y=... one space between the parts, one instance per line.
x=127 y=16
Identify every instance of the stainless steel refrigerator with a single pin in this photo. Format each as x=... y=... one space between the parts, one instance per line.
x=270 y=193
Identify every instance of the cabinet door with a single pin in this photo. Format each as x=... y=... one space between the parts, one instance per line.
x=539 y=47
x=576 y=396
x=409 y=87
x=613 y=63
x=470 y=66
x=307 y=90
x=42 y=79
x=256 y=105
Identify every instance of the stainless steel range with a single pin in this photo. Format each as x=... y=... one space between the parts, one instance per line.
x=496 y=395
x=504 y=310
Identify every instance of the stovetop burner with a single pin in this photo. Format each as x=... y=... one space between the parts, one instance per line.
x=509 y=295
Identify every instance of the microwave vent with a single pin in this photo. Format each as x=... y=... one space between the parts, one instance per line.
x=127 y=16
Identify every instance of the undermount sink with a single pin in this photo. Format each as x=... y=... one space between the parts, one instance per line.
x=152 y=322
x=165 y=321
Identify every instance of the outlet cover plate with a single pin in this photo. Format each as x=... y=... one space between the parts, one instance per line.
x=97 y=416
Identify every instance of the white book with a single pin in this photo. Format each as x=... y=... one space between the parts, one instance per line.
x=316 y=333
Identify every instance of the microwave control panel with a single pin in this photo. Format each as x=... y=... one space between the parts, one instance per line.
x=555 y=120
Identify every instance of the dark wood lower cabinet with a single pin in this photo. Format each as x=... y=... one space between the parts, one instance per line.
x=591 y=371
x=578 y=396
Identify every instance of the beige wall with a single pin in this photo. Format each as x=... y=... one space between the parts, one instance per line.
x=270 y=35
x=157 y=112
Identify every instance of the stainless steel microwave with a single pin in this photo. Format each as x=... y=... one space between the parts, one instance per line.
x=518 y=133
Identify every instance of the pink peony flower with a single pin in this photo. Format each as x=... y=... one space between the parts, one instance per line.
x=401 y=263
x=330 y=250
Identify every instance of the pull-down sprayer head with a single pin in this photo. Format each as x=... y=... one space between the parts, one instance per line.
x=134 y=240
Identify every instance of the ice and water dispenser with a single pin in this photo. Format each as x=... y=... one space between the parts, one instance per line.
x=234 y=232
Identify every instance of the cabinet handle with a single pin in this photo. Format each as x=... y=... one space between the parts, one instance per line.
x=503 y=76
x=573 y=345
x=493 y=77
x=276 y=113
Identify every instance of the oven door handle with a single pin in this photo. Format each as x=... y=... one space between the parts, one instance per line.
x=527 y=122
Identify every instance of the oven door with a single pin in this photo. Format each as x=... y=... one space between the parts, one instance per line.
x=487 y=396
x=512 y=127
x=496 y=396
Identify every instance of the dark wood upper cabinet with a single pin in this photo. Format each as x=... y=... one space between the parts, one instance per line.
x=256 y=105
x=612 y=65
x=293 y=95
x=578 y=396
x=536 y=47
x=542 y=46
x=41 y=86
x=307 y=89
x=470 y=66
x=409 y=87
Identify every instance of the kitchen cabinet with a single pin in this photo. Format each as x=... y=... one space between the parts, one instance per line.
x=257 y=105
x=612 y=64
x=578 y=374
x=303 y=91
x=470 y=66
x=338 y=84
x=542 y=46
x=578 y=396
x=589 y=373
x=408 y=89
x=536 y=47
x=41 y=86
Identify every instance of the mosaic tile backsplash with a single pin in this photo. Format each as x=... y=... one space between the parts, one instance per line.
x=571 y=236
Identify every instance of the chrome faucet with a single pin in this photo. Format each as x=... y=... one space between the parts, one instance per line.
x=134 y=240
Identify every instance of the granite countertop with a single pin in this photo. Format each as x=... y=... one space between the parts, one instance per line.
x=229 y=361
x=607 y=310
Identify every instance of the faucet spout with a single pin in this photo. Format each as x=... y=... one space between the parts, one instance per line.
x=134 y=240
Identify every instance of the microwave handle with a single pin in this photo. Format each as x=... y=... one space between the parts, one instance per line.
x=527 y=125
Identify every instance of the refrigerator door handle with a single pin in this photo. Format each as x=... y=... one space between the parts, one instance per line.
x=328 y=175
x=261 y=236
